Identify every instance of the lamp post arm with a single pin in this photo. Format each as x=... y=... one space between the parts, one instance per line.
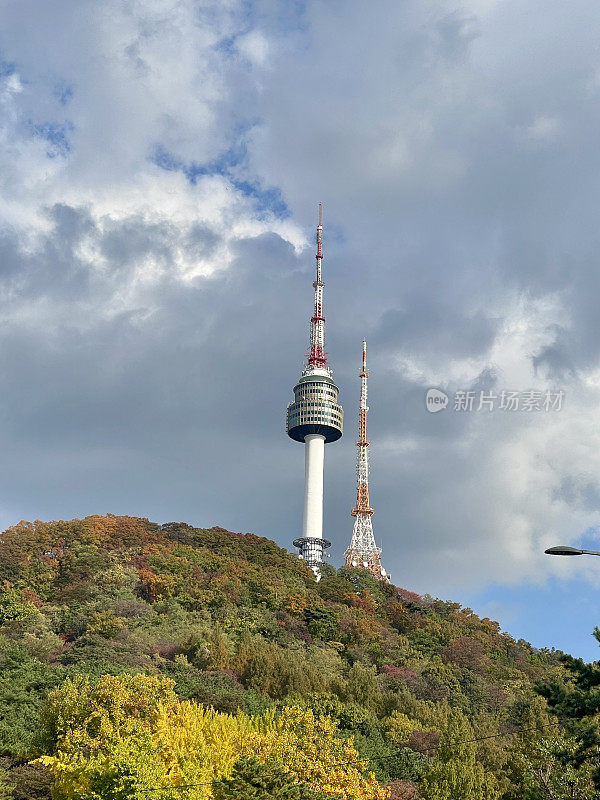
x=562 y=550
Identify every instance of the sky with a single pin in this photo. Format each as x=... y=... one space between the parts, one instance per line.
x=161 y=162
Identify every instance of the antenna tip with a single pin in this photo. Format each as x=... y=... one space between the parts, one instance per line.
x=320 y=213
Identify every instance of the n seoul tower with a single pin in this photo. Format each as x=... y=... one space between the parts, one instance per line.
x=315 y=418
x=363 y=552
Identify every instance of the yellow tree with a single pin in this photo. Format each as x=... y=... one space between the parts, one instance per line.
x=121 y=736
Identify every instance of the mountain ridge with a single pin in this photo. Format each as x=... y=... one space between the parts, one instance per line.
x=237 y=622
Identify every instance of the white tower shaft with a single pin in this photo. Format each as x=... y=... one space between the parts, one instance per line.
x=314 y=459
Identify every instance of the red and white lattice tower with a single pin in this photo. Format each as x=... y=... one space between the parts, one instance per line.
x=315 y=418
x=363 y=552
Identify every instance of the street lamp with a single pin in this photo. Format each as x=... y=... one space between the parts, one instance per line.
x=570 y=551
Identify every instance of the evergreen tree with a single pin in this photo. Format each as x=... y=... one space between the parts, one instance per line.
x=219 y=657
x=6 y=790
x=456 y=774
x=577 y=702
x=253 y=780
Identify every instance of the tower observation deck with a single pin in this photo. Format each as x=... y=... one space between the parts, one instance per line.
x=315 y=418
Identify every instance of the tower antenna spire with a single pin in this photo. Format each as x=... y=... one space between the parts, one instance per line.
x=363 y=552
x=317 y=357
x=315 y=418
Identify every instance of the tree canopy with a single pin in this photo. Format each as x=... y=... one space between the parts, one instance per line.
x=124 y=646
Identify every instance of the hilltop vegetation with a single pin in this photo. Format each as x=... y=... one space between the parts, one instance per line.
x=190 y=620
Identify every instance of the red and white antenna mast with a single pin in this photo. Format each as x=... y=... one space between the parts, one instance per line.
x=363 y=552
x=317 y=357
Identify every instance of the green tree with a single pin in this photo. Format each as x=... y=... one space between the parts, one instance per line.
x=321 y=623
x=362 y=686
x=219 y=657
x=253 y=780
x=577 y=703
x=32 y=782
x=456 y=774
x=548 y=772
x=12 y=606
x=6 y=787
x=267 y=668
x=105 y=624
x=24 y=682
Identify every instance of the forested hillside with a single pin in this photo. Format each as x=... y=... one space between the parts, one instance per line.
x=235 y=670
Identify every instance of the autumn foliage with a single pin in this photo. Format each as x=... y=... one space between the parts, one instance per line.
x=134 y=655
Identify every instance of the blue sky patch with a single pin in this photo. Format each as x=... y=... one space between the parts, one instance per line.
x=7 y=68
x=63 y=92
x=268 y=201
x=56 y=134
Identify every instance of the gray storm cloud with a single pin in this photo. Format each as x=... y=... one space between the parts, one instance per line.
x=160 y=173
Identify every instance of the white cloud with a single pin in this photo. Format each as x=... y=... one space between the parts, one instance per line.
x=149 y=238
x=544 y=128
x=254 y=46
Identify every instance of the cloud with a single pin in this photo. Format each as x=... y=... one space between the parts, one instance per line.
x=160 y=167
x=544 y=128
